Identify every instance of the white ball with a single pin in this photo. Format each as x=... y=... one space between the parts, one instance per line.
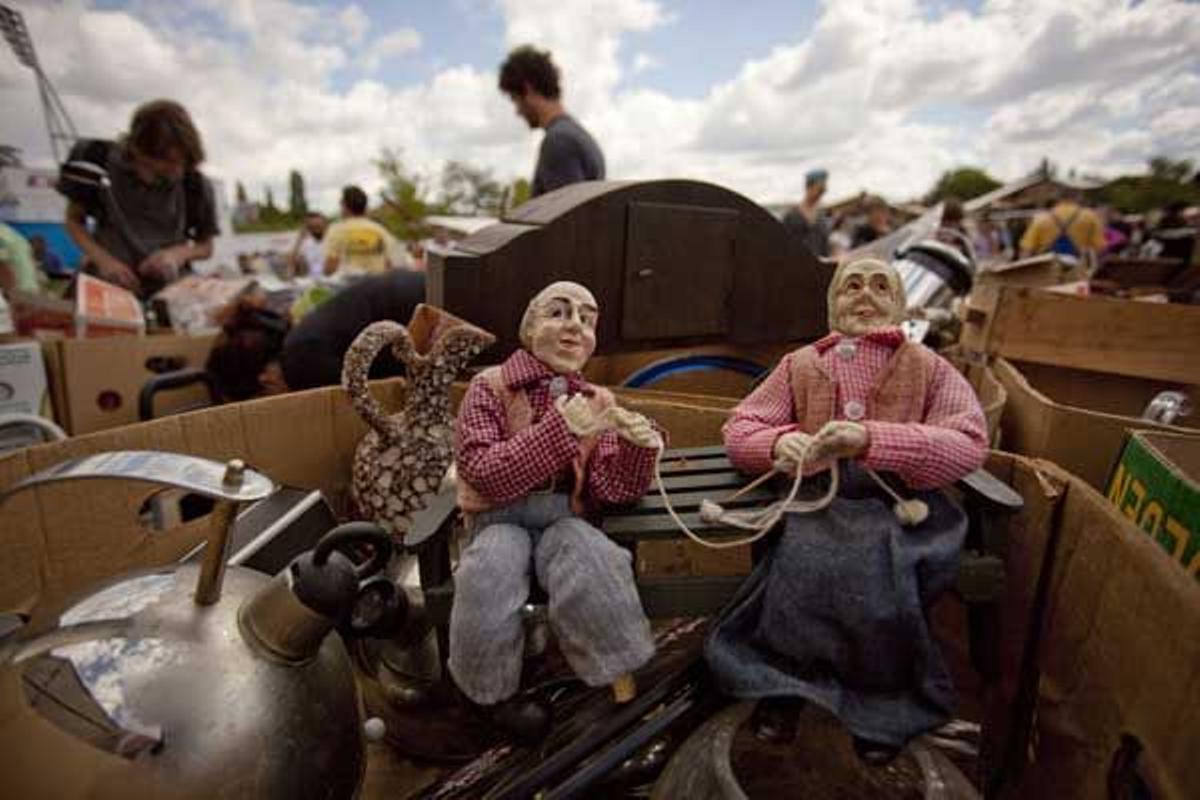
x=374 y=729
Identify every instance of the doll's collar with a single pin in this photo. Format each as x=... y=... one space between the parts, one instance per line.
x=522 y=370
x=890 y=336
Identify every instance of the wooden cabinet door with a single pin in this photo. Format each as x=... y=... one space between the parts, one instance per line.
x=679 y=264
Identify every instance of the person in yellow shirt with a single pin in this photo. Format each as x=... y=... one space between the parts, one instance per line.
x=1068 y=228
x=356 y=243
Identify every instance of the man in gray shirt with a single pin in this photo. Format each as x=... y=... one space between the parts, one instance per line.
x=151 y=211
x=568 y=153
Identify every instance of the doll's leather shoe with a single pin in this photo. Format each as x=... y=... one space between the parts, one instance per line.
x=775 y=719
x=875 y=754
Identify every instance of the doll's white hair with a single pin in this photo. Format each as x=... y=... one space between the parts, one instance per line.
x=839 y=274
x=525 y=332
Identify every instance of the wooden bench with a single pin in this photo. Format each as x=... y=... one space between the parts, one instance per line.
x=689 y=476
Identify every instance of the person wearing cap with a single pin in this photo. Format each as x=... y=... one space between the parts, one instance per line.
x=807 y=219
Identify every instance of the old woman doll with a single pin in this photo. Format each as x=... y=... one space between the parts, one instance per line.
x=835 y=614
x=539 y=450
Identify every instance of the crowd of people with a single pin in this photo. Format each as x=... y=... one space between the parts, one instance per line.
x=1066 y=226
x=141 y=211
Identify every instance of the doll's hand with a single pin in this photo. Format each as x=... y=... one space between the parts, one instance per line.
x=791 y=450
x=577 y=411
x=838 y=439
x=633 y=427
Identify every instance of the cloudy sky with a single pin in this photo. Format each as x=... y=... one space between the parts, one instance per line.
x=887 y=94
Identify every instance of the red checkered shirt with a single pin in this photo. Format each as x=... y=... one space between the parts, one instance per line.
x=505 y=467
x=948 y=442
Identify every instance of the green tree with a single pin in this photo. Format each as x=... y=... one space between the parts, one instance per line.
x=963 y=183
x=405 y=199
x=297 y=203
x=1168 y=169
x=270 y=203
x=240 y=193
x=470 y=191
x=517 y=193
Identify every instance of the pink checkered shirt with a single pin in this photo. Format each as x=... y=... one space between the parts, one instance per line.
x=949 y=441
x=505 y=467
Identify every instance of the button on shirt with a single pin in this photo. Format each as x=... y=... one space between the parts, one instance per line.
x=853 y=364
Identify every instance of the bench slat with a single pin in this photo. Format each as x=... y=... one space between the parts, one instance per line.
x=653 y=502
x=707 y=480
x=691 y=466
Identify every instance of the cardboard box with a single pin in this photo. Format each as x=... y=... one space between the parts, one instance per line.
x=1078 y=419
x=95 y=382
x=98 y=309
x=23 y=387
x=23 y=390
x=1097 y=652
x=1157 y=486
x=1116 y=336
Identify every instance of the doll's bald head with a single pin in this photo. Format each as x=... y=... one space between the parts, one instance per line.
x=559 y=326
x=865 y=295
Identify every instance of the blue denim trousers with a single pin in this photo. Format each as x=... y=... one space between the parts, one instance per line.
x=594 y=609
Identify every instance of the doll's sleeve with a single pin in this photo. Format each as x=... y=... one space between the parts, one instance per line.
x=761 y=418
x=950 y=442
x=504 y=468
x=620 y=471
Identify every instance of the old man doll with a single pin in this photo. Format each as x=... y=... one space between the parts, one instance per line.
x=836 y=614
x=538 y=451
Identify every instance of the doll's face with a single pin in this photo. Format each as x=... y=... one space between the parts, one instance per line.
x=866 y=295
x=560 y=326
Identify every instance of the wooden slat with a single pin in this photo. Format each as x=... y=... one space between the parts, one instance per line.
x=727 y=480
x=691 y=466
x=653 y=502
x=694 y=452
x=660 y=526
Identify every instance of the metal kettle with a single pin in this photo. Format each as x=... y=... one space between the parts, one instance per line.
x=191 y=681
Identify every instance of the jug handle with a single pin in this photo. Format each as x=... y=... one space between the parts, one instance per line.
x=356 y=367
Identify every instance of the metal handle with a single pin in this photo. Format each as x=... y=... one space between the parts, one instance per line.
x=202 y=476
x=353 y=533
x=177 y=379
x=645 y=272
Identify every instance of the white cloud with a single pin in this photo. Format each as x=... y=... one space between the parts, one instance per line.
x=885 y=93
x=390 y=45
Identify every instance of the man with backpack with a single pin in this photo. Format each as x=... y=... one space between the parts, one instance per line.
x=151 y=210
x=1069 y=229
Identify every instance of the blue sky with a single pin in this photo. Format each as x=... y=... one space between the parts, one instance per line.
x=886 y=94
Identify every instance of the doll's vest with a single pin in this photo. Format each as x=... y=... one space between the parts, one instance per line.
x=898 y=394
x=519 y=417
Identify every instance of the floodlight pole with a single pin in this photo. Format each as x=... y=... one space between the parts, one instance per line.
x=58 y=123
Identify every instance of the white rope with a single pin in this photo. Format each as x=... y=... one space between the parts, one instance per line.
x=761 y=522
x=909 y=512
